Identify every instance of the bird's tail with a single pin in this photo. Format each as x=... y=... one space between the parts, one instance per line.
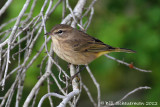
x=122 y=50
x=116 y=50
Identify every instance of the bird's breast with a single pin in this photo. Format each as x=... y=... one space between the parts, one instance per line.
x=68 y=54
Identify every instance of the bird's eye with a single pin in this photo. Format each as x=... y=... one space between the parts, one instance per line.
x=59 y=31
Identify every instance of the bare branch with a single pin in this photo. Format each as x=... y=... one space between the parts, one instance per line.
x=89 y=95
x=96 y=84
x=45 y=75
x=127 y=64
x=132 y=92
x=38 y=84
x=3 y=9
x=48 y=95
x=68 y=98
x=9 y=40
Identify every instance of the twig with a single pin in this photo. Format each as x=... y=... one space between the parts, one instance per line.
x=57 y=83
x=31 y=11
x=80 y=90
x=89 y=95
x=133 y=91
x=96 y=84
x=75 y=83
x=54 y=7
x=49 y=91
x=90 y=6
x=34 y=89
x=127 y=64
x=48 y=95
x=64 y=9
x=41 y=65
x=90 y=18
x=3 y=9
x=35 y=96
x=68 y=98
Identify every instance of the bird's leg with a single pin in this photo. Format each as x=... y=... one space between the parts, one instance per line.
x=68 y=65
x=76 y=75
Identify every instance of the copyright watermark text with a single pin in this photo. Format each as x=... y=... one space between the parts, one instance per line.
x=111 y=103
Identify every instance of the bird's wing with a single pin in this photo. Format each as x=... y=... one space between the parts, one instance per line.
x=90 y=44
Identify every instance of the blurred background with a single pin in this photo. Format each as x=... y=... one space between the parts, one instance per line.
x=132 y=24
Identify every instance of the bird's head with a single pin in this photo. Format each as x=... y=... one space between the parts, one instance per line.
x=60 y=31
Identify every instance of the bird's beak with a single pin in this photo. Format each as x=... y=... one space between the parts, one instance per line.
x=48 y=33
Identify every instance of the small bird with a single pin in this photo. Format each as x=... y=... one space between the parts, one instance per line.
x=77 y=47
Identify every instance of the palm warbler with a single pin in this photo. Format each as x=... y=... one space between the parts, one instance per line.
x=77 y=47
